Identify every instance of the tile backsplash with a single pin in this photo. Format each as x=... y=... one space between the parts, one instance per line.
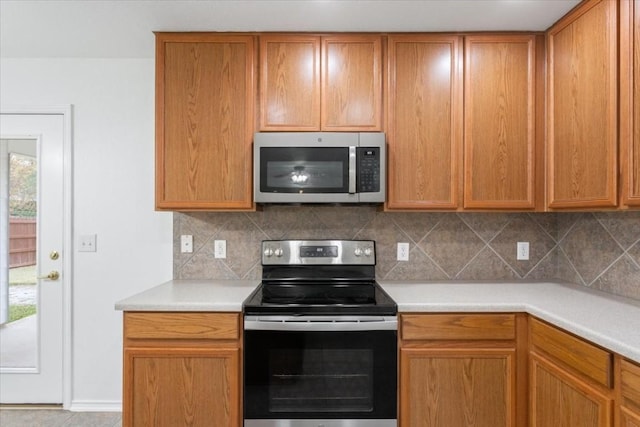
x=598 y=250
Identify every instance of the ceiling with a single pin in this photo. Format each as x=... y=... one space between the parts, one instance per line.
x=123 y=28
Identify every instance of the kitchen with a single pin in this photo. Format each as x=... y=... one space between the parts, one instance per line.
x=133 y=238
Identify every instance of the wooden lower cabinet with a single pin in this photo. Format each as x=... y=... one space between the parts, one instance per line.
x=458 y=370
x=629 y=380
x=457 y=387
x=182 y=369
x=571 y=380
x=559 y=399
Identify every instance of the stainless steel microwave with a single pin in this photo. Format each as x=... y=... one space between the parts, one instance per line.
x=319 y=167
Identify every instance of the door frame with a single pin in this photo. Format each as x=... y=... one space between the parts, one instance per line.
x=67 y=234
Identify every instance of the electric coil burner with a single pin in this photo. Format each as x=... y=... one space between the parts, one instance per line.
x=320 y=338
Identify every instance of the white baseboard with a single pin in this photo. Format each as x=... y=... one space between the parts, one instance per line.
x=95 y=406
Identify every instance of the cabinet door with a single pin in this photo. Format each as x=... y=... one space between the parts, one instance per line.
x=289 y=82
x=204 y=121
x=560 y=399
x=582 y=108
x=629 y=419
x=188 y=387
x=629 y=394
x=351 y=83
x=500 y=126
x=630 y=101
x=457 y=388
x=425 y=122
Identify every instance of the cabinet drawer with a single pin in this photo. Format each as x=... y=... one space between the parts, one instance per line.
x=181 y=326
x=458 y=327
x=630 y=382
x=577 y=354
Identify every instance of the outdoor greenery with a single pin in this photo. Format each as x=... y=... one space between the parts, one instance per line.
x=22 y=276
x=17 y=312
x=23 y=186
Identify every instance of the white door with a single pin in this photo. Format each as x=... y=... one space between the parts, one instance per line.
x=36 y=374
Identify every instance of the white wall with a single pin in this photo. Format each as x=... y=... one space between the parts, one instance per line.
x=113 y=125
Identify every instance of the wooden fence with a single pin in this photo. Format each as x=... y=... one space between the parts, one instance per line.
x=22 y=242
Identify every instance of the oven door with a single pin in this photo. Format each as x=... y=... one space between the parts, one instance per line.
x=341 y=372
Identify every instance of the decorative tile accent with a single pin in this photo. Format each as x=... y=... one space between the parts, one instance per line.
x=600 y=250
x=634 y=253
x=522 y=228
x=243 y=244
x=566 y=220
x=451 y=244
x=566 y=271
x=420 y=268
x=345 y=222
x=625 y=229
x=484 y=224
x=622 y=278
x=546 y=269
x=590 y=248
x=386 y=234
x=487 y=266
x=417 y=225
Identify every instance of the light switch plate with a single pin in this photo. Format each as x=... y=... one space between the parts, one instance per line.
x=87 y=243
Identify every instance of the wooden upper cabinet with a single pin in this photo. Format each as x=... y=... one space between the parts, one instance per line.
x=289 y=82
x=329 y=83
x=582 y=107
x=500 y=122
x=424 y=121
x=205 y=93
x=351 y=83
x=630 y=101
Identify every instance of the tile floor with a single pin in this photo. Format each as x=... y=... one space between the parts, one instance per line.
x=54 y=417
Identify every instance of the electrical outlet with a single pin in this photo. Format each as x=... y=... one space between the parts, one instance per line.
x=220 y=248
x=522 y=251
x=403 y=252
x=186 y=243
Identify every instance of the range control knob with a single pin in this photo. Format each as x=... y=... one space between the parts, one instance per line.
x=368 y=252
x=278 y=252
x=358 y=252
x=268 y=252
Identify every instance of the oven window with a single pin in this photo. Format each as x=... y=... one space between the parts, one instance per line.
x=320 y=380
x=304 y=169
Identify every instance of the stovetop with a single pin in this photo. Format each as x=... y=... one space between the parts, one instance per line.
x=333 y=277
x=320 y=299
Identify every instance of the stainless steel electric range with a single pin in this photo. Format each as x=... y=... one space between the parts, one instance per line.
x=320 y=338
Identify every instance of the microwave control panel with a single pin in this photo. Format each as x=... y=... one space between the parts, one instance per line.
x=368 y=179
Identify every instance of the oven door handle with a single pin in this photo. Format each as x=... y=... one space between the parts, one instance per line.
x=321 y=324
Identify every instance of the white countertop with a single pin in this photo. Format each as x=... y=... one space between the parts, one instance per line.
x=191 y=295
x=611 y=322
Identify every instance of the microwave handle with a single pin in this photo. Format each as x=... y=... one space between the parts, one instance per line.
x=352 y=170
